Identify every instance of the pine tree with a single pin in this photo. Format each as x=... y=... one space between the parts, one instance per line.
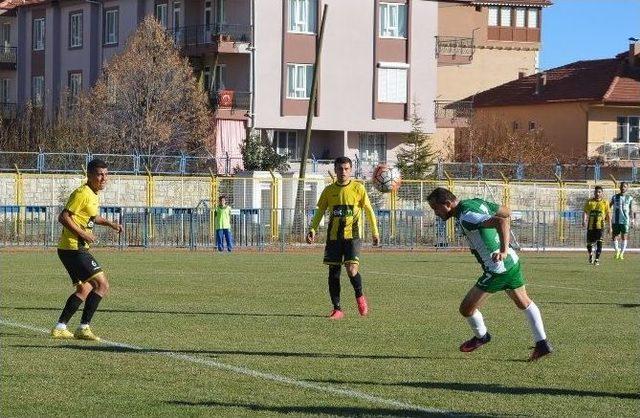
x=415 y=157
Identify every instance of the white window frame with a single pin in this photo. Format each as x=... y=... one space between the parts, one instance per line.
x=532 y=17
x=302 y=16
x=299 y=79
x=75 y=84
x=281 y=141
x=6 y=34
x=626 y=129
x=177 y=11
x=221 y=8
x=5 y=85
x=75 y=30
x=38 y=34
x=505 y=17
x=111 y=18
x=521 y=17
x=393 y=20
x=161 y=15
x=493 y=16
x=372 y=145
x=206 y=78
x=37 y=90
x=220 y=77
x=393 y=82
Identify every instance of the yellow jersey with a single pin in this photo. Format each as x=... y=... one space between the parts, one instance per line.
x=345 y=204
x=83 y=206
x=598 y=211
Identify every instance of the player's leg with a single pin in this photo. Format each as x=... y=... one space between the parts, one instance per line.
x=615 y=237
x=333 y=258
x=227 y=238
x=531 y=311
x=470 y=310
x=352 y=265
x=100 y=288
x=623 y=248
x=596 y=261
x=590 y=242
x=219 y=238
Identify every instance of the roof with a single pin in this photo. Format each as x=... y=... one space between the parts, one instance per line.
x=12 y=4
x=541 y=3
x=611 y=80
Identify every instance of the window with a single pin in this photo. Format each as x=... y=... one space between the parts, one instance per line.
x=75 y=30
x=176 y=15
x=75 y=84
x=161 y=15
x=206 y=78
x=302 y=16
x=392 y=85
x=505 y=16
x=520 y=16
x=4 y=90
x=220 y=76
x=207 y=14
x=37 y=90
x=220 y=16
x=286 y=143
x=5 y=35
x=493 y=16
x=532 y=18
x=628 y=129
x=373 y=147
x=533 y=126
x=300 y=77
x=111 y=26
x=393 y=20
x=38 y=34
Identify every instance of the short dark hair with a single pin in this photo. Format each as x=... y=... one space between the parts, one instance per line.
x=441 y=195
x=623 y=183
x=342 y=160
x=95 y=164
x=222 y=197
x=598 y=188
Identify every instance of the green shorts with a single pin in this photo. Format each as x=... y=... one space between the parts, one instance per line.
x=618 y=229
x=495 y=282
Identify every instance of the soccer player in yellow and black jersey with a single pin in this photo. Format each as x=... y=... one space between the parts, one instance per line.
x=346 y=200
x=596 y=212
x=78 y=218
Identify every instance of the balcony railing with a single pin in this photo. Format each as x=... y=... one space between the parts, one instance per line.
x=8 y=55
x=231 y=99
x=450 y=109
x=454 y=45
x=621 y=151
x=189 y=36
x=7 y=110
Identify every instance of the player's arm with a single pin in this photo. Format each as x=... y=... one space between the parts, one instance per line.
x=371 y=216
x=67 y=221
x=503 y=227
x=99 y=220
x=321 y=208
x=585 y=214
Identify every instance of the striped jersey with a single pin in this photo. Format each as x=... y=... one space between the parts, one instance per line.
x=597 y=210
x=621 y=208
x=483 y=241
x=345 y=204
x=83 y=205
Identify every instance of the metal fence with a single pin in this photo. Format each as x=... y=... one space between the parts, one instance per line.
x=275 y=229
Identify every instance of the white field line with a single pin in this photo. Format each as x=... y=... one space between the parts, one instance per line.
x=348 y=393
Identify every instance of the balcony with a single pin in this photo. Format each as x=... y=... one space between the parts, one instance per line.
x=8 y=57
x=454 y=50
x=217 y=38
x=231 y=104
x=7 y=110
x=620 y=151
x=453 y=114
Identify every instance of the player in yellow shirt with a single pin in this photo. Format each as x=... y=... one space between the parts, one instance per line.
x=346 y=200
x=78 y=218
x=596 y=213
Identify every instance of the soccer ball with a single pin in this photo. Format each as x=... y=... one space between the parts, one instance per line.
x=386 y=179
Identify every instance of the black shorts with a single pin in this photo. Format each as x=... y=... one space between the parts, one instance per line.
x=345 y=251
x=80 y=265
x=594 y=235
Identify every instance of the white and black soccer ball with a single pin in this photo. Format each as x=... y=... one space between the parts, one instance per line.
x=386 y=179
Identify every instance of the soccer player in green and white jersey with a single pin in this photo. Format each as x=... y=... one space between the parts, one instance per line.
x=486 y=226
x=623 y=218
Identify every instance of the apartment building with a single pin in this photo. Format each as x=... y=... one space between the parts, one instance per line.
x=255 y=58
x=480 y=45
x=8 y=61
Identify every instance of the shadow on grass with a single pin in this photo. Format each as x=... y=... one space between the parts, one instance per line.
x=620 y=305
x=493 y=388
x=167 y=312
x=336 y=411
x=215 y=353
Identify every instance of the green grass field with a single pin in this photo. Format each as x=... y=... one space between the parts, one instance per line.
x=246 y=334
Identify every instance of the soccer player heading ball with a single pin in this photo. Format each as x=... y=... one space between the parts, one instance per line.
x=486 y=226
x=345 y=200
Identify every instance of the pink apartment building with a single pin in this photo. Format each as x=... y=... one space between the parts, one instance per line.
x=255 y=57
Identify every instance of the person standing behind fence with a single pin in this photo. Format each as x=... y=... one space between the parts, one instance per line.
x=623 y=217
x=487 y=227
x=345 y=199
x=222 y=224
x=79 y=216
x=596 y=212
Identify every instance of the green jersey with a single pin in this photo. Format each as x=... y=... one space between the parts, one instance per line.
x=470 y=214
x=621 y=209
x=222 y=217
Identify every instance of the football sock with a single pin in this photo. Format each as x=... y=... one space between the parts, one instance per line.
x=72 y=305
x=334 y=285
x=615 y=245
x=535 y=322
x=624 y=245
x=90 y=306
x=476 y=322
x=589 y=248
x=598 y=249
x=356 y=282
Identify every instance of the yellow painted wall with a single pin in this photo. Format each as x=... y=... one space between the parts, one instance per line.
x=603 y=124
